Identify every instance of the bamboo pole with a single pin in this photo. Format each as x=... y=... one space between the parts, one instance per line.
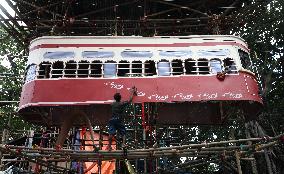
x=1 y=155
x=129 y=167
x=238 y=162
x=253 y=162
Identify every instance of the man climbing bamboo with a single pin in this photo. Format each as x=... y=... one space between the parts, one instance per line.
x=115 y=123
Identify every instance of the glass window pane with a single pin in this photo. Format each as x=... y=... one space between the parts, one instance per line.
x=176 y=53
x=164 y=68
x=214 y=52
x=109 y=70
x=145 y=54
x=31 y=73
x=97 y=54
x=58 y=55
x=245 y=59
x=216 y=66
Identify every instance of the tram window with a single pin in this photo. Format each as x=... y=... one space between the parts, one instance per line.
x=177 y=68
x=44 y=70
x=190 y=67
x=181 y=53
x=97 y=54
x=141 y=54
x=203 y=67
x=59 y=55
x=83 y=69
x=216 y=66
x=31 y=73
x=70 y=69
x=57 y=69
x=110 y=69
x=96 y=69
x=164 y=68
x=123 y=68
x=136 y=68
x=213 y=52
x=245 y=60
x=230 y=66
x=150 y=68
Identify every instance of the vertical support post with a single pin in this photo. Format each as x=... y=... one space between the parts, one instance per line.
x=145 y=159
x=143 y=115
x=101 y=138
x=237 y=155
x=100 y=166
x=238 y=162
x=6 y=131
x=117 y=163
x=253 y=162
x=267 y=159
x=135 y=135
x=4 y=136
x=157 y=142
x=254 y=168
x=1 y=155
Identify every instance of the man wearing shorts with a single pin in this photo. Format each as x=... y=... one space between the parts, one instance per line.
x=115 y=123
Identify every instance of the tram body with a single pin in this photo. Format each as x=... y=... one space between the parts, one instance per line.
x=178 y=74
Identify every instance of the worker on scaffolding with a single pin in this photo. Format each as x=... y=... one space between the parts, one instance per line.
x=115 y=123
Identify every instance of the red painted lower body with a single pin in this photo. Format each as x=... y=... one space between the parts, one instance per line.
x=181 y=99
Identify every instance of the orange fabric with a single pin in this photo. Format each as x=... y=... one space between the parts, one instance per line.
x=107 y=167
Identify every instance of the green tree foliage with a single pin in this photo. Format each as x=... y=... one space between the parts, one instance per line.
x=12 y=68
x=261 y=24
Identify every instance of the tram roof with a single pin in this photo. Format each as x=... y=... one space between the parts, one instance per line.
x=192 y=37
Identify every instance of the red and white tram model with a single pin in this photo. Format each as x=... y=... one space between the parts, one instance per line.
x=192 y=79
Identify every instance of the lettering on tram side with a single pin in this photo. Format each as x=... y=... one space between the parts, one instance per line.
x=183 y=96
x=158 y=97
x=113 y=85
x=232 y=95
x=208 y=96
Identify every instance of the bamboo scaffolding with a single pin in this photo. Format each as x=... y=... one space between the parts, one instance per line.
x=208 y=151
x=35 y=160
x=202 y=146
x=131 y=154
